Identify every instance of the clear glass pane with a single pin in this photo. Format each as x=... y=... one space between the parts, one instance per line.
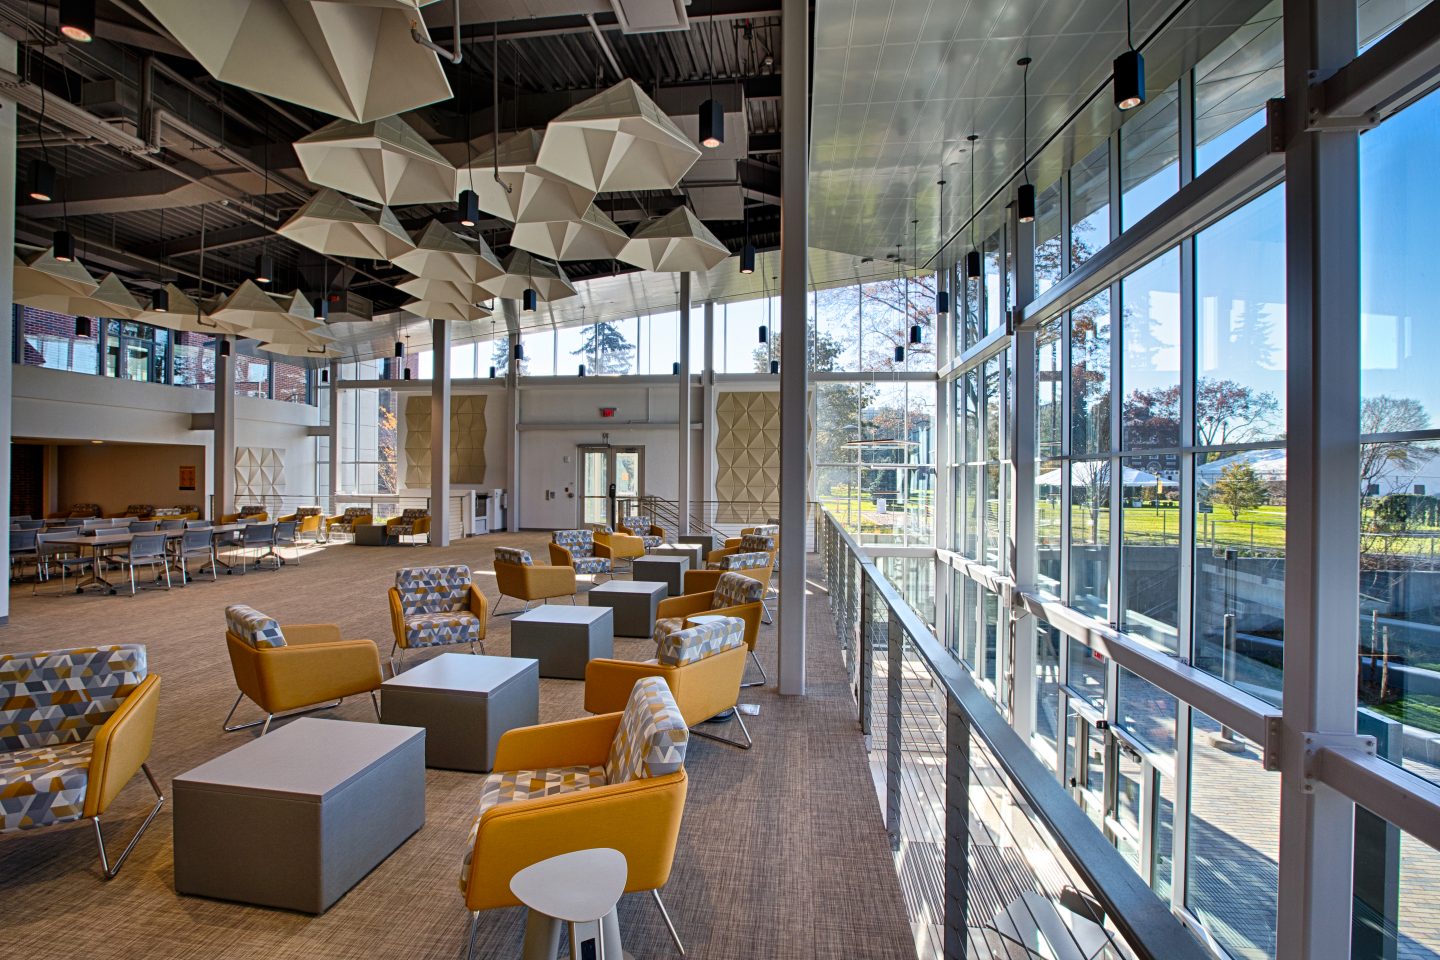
x=1394 y=890
x=1049 y=248
x=1087 y=673
x=1049 y=474
x=51 y=340
x=1047 y=692
x=1147 y=713
x=1090 y=537
x=627 y=473
x=1233 y=82
x=1234 y=846
x=1240 y=325
x=994 y=282
x=1149 y=156
x=1090 y=205
x=1240 y=568
x=1090 y=375
x=1150 y=341
x=1150 y=553
x=988 y=656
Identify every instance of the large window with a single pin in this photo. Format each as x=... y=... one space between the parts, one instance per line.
x=57 y=341
x=1149 y=156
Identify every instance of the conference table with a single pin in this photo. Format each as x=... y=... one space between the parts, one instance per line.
x=101 y=545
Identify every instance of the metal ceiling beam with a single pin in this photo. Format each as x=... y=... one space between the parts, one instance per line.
x=1399 y=69
x=121 y=193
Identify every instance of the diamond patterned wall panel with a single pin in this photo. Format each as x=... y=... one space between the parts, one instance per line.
x=417 y=441
x=259 y=472
x=747 y=448
x=467 y=440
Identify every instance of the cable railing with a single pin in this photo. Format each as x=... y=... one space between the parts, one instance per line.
x=993 y=856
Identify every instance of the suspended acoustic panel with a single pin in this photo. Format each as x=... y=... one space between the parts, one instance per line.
x=108 y=299
x=257 y=315
x=353 y=59
x=524 y=193
x=525 y=272
x=676 y=243
x=186 y=316
x=617 y=140
x=443 y=291
x=593 y=237
x=332 y=224
x=442 y=254
x=445 y=310
x=383 y=160
x=41 y=281
x=322 y=349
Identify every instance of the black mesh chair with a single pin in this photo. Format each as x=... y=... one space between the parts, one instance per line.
x=286 y=535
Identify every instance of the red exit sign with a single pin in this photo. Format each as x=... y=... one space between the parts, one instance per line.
x=607 y=412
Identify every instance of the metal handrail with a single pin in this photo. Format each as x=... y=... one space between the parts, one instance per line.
x=1142 y=918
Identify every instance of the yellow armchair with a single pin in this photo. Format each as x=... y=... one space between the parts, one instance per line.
x=733 y=594
x=413 y=522
x=297 y=668
x=68 y=750
x=309 y=521
x=771 y=530
x=517 y=575
x=703 y=665
x=347 y=522
x=616 y=780
x=435 y=606
x=620 y=546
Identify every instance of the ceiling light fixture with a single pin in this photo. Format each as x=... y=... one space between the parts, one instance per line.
x=160 y=301
x=399 y=350
x=407 y=373
x=712 y=115
x=747 y=252
x=1129 y=71
x=82 y=327
x=264 y=268
x=900 y=354
x=324 y=376
x=972 y=259
x=942 y=295
x=916 y=334
x=529 y=299
x=64 y=243
x=492 y=373
x=469 y=205
x=764 y=333
x=42 y=181
x=582 y=369
x=77 y=20
x=224 y=346
x=774 y=367
x=675 y=369
x=519 y=351
x=1025 y=197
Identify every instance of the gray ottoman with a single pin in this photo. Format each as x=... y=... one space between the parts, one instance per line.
x=464 y=702
x=563 y=638
x=693 y=552
x=298 y=817
x=705 y=541
x=372 y=535
x=662 y=569
x=634 y=603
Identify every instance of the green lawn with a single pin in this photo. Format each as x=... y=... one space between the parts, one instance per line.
x=1417 y=709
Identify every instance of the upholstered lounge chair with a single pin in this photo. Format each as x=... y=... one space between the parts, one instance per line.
x=309 y=522
x=435 y=606
x=650 y=534
x=734 y=595
x=518 y=576
x=702 y=664
x=623 y=547
x=78 y=725
x=137 y=511
x=579 y=550
x=413 y=522
x=295 y=669
x=750 y=544
x=763 y=530
x=347 y=522
x=616 y=780
x=251 y=512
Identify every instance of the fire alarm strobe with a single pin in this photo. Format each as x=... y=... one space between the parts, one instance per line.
x=607 y=412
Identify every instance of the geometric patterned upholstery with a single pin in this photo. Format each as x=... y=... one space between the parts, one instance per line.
x=581 y=544
x=43 y=785
x=436 y=606
x=592 y=565
x=513 y=555
x=701 y=641
x=84 y=510
x=734 y=589
x=664 y=626
x=255 y=628
x=740 y=561
x=766 y=530
x=251 y=510
x=307 y=512
x=62 y=696
x=652 y=736
x=405 y=524
x=639 y=526
x=51 y=704
x=350 y=517
x=752 y=542
x=139 y=510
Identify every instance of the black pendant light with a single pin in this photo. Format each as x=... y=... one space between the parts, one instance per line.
x=492 y=373
x=916 y=334
x=675 y=369
x=519 y=351
x=972 y=259
x=942 y=295
x=764 y=333
x=42 y=181
x=529 y=299
x=900 y=354
x=582 y=369
x=407 y=373
x=160 y=301
x=264 y=268
x=469 y=207
x=747 y=258
x=712 y=124
x=774 y=367
x=399 y=350
x=64 y=243
x=1025 y=197
x=322 y=308
x=324 y=376
x=1129 y=71
x=224 y=346
x=77 y=20
x=82 y=327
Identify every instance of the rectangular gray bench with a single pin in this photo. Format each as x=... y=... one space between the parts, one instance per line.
x=296 y=818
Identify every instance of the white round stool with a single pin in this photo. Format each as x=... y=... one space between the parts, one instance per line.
x=577 y=890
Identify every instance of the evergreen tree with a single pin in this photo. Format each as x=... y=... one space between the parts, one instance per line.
x=606 y=350
x=1239 y=488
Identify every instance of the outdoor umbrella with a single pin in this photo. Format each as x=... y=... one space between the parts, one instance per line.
x=334 y=225
x=676 y=243
x=524 y=193
x=592 y=237
x=525 y=272
x=353 y=59
x=442 y=254
x=383 y=160
x=617 y=140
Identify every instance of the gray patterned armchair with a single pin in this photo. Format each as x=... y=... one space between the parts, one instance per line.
x=646 y=529
x=578 y=549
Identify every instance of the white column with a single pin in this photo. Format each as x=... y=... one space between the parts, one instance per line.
x=1322 y=612
x=222 y=470
x=7 y=287
x=682 y=496
x=511 y=316
x=1022 y=483
x=794 y=373
x=707 y=410
x=334 y=433
x=440 y=433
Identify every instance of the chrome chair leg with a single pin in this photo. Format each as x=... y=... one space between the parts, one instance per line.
x=470 y=939
x=765 y=609
x=229 y=728
x=375 y=702
x=746 y=745
x=109 y=871
x=764 y=677
x=668 y=925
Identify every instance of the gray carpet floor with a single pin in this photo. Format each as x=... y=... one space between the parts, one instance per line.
x=782 y=854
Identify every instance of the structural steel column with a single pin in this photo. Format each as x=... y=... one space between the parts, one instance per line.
x=7 y=289
x=707 y=410
x=440 y=434
x=1322 y=241
x=682 y=486
x=334 y=433
x=794 y=372
x=512 y=405
x=223 y=469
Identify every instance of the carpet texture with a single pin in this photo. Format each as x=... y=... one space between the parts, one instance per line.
x=783 y=852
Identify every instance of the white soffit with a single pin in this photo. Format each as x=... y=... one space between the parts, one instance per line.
x=384 y=161
x=617 y=140
x=352 y=59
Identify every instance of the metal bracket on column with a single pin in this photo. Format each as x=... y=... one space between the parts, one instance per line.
x=1321 y=123
x=1270 y=749
x=1316 y=742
